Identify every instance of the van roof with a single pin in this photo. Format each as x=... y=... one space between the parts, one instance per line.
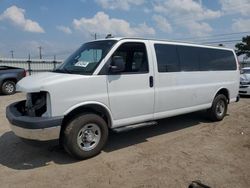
x=165 y=40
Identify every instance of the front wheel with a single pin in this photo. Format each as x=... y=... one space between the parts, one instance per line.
x=219 y=108
x=85 y=136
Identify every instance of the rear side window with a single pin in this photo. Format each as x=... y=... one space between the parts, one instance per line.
x=189 y=58
x=175 y=58
x=213 y=59
x=167 y=58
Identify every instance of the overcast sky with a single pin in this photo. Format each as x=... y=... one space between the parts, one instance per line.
x=61 y=26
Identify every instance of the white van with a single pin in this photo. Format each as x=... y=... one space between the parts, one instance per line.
x=119 y=84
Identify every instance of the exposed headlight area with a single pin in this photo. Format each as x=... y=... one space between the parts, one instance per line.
x=36 y=105
x=31 y=118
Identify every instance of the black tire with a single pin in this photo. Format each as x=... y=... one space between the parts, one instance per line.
x=8 y=87
x=74 y=131
x=218 y=112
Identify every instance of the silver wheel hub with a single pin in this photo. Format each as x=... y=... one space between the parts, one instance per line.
x=88 y=137
x=220 y=108
x=9 y=88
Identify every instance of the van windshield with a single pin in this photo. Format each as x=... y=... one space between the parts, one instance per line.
x=86 y=59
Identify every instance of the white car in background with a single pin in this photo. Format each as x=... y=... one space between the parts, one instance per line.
x=245 y=81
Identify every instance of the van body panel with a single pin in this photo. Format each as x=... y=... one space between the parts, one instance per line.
x=67 y=90
x=131 y=97
x=188 y=89
x=82 y=91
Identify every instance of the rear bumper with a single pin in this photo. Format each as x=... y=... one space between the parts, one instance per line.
x=33 y=128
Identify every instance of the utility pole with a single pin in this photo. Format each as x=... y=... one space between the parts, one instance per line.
x=94 y=35
x=54 y=62
x=40 y=52
x=12 y=53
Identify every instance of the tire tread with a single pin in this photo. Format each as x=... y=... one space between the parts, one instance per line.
x=71 y=130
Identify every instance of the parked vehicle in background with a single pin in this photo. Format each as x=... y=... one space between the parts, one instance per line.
x=121 y=84
x=9 y=76
x=245 y=81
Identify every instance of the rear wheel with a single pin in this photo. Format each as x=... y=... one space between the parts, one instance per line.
x=85 y=136
x=8 y=87
x=219 y=108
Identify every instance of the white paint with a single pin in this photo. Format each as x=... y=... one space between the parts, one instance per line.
x=128 y=97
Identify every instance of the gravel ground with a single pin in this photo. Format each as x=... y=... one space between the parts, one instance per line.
x=171 y=154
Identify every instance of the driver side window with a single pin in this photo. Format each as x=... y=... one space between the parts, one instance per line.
x=135 y=57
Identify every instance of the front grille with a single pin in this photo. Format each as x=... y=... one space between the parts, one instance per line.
x=244 y=83
x=243 y=86
x=242 y=91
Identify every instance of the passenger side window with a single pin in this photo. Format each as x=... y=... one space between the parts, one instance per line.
x=175 y=58
x=213 y=59
x=167 y=58
x=189 y=58
x=135 y=57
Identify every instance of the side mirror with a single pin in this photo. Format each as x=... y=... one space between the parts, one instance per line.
x=117 y=64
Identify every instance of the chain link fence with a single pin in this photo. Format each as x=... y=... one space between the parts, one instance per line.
x=32 y=66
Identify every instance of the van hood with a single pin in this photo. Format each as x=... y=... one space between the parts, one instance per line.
x=42 y=81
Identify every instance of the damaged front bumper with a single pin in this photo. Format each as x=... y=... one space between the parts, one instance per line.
x=33 y=128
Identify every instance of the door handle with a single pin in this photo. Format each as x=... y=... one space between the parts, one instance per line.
x=151 y=81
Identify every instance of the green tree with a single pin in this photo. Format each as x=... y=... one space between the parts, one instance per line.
x=243 y=48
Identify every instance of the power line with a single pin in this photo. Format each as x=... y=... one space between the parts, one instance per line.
x=222 y=41
x=217 y=39
x=215 y=35
x=65 y=52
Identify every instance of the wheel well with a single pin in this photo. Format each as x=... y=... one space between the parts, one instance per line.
x=225 y=92
x=93 y=108
x=10 y=79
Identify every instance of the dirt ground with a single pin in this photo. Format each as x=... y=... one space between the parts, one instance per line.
x=170 y=155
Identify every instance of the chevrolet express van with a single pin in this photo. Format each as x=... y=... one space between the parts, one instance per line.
x=120 y=84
